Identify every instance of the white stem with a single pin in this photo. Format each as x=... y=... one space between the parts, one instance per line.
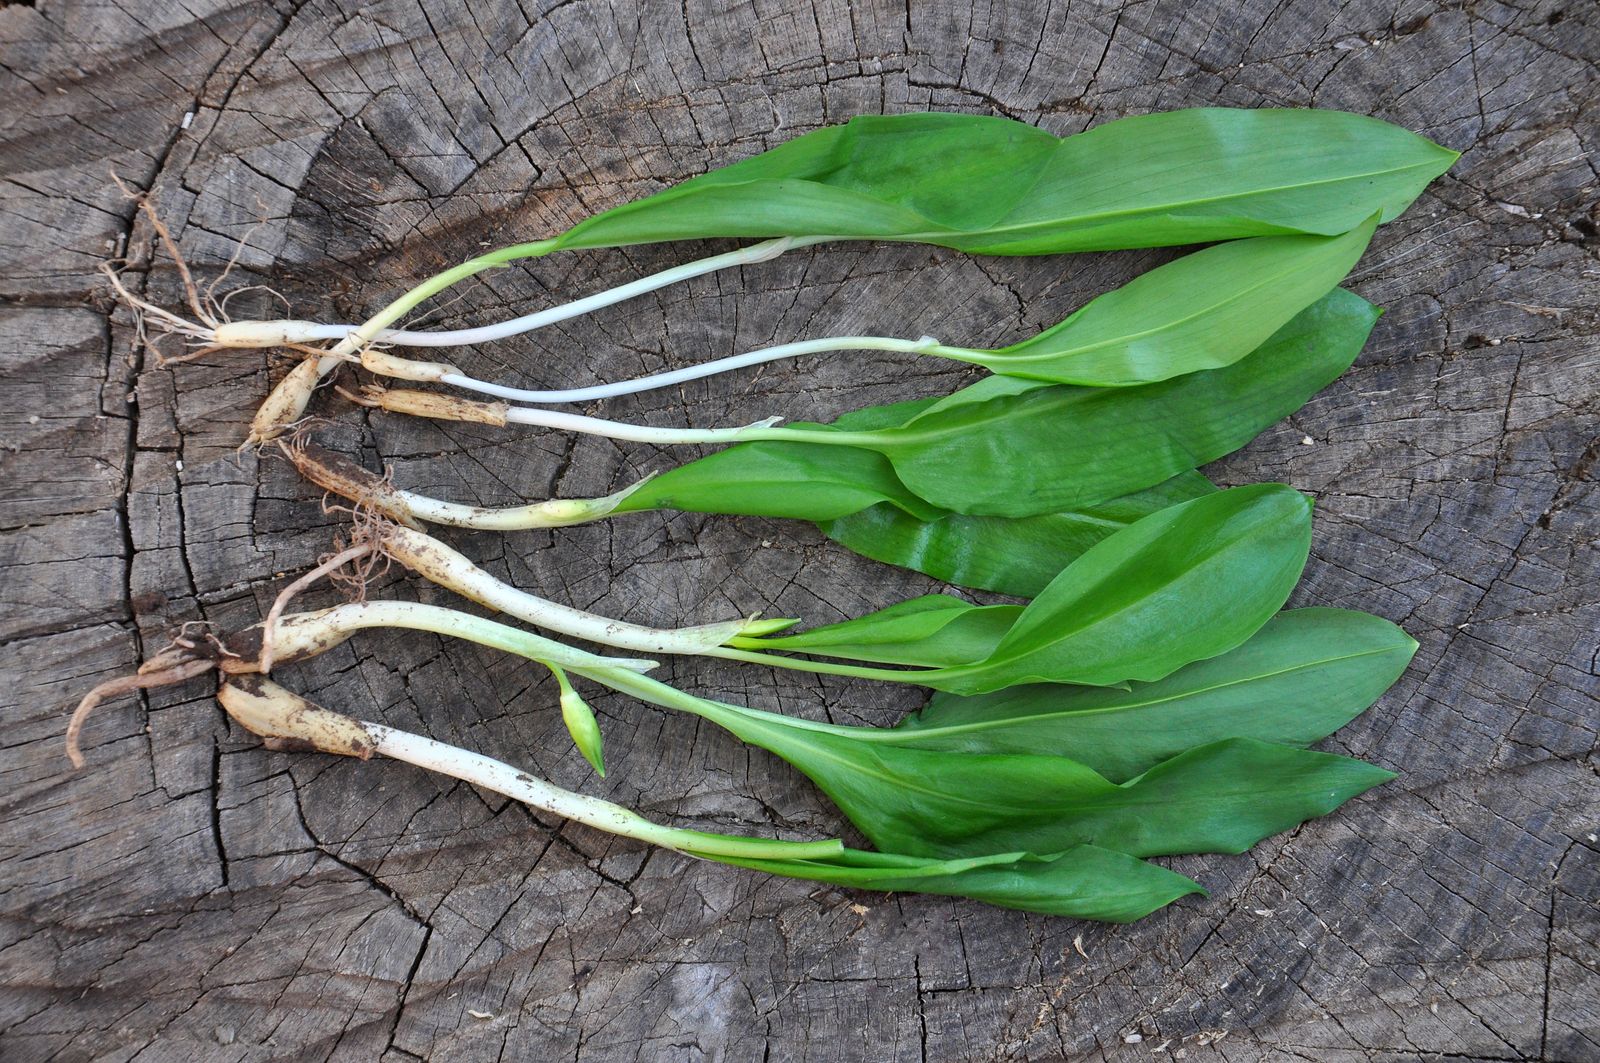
x=638 y=433
x=272 y=333
x=696 y=372
x=267 y=709
x=437 y=562
x=502 y=778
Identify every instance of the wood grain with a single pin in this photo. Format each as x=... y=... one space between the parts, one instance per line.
x=192 y=896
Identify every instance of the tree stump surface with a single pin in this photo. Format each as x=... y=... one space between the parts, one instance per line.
x=191 y=895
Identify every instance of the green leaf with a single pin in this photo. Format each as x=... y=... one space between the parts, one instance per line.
x=1203 y=311
x=1085 y=882
x=855 y=498
x=807 y=481
x=1186 y=583
x=1304 y=675
x=1183 y=584
x=1221 y=797
x=995 y=186
x=1009 y=555
x=999 y=448
x=934 y=630
x=1061 y=447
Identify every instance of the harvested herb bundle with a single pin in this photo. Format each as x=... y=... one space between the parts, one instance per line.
x=1149 y=700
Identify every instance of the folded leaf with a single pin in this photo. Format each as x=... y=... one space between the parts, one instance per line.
x=1221 y=797
x=934 y=630
x=1085 y=882
x=995 y=186
x=1304 y=675
x=807 y=481
x=1203 y=311
x=1186 y=583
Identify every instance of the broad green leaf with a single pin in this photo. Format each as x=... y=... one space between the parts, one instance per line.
x=995 y=186
x=1221 y=797
x=856 y=500
x=934 y=630
x=1010 y=555
x=1085 y=882
x=1183 y=584
x=1061 y=447
x=1304 y=675
x=1204 y=311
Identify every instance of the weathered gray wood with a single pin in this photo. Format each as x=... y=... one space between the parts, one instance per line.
x=191 y=896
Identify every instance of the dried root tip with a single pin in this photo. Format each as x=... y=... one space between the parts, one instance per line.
x=430 y=404
x=165 y=669
x=288 y=721
x=339 y=475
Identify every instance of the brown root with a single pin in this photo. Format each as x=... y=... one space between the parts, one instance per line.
x=365 y=490
x=165 y=669
x=286 y=404
x=191 y=290
x=146 y=314
x=432 y=404
x=236 y=657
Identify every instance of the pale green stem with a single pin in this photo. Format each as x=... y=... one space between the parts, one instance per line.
x=300 y=631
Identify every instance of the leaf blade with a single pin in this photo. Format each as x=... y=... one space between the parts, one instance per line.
x=1008 y=555
x=1304 y=675
x=1186 y=583
x=1221 y=797
x=1205 y=310
x=994 y=186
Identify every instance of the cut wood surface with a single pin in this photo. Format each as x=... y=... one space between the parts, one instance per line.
x=192 y=896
